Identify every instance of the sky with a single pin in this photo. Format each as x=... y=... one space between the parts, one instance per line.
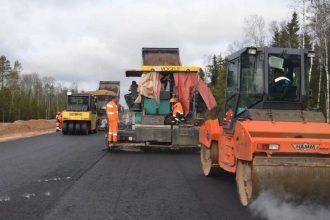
x=87 y=41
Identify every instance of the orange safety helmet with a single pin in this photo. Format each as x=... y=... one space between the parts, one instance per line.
x=173 y=100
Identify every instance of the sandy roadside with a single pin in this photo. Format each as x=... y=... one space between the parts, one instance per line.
x=22 y=129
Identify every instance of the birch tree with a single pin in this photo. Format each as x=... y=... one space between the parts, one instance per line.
x=254 y=29
x=321 y=25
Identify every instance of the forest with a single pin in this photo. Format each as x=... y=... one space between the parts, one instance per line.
x=308 y=27
x=26 y=96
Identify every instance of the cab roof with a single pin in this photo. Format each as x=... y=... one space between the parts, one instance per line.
x=268 y=50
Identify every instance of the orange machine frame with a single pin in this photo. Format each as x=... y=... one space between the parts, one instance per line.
x=249 y=137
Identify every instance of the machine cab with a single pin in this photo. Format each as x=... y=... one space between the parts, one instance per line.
x=80 y=102
x=265 y=78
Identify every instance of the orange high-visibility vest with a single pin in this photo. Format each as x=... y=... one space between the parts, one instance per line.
x=229 y=115
x=112 y=111
x=177 y=108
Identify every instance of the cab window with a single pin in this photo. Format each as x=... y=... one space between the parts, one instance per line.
x=284 y=77
x=232 y=78
x=231 y=91
x=251 y=83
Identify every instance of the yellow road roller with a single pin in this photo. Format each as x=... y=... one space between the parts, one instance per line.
x=80 y=116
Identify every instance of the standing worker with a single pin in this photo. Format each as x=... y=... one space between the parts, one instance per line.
x=133 y=89
x=59 y=121
x=177 y=111
x=113 y=119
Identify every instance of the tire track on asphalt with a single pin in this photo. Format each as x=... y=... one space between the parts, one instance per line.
x=199 y=199
x=114 y=210
x=90 y=166
x=48 y=208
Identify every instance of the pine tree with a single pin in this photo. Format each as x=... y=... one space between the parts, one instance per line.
x=292 y=29
x=287 y=35
x=283 y=36
x=13 y=76
x=5 y=69
x=216 y=73
x=201 y=74
x=308 y=41
x=276 y=38
x=213 y=70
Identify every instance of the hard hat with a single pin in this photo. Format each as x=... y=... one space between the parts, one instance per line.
x=173 y=100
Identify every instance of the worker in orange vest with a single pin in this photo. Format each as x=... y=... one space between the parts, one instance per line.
x=59 y=121
x=229 y=115
x=177 y=111
x=113 y=119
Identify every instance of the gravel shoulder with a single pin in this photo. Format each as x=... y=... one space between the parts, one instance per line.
x=22 y=129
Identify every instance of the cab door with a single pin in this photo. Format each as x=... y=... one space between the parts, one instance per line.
x=232 y=93
x=227 y=159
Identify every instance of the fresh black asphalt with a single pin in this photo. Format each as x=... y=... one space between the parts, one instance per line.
x=70 y=177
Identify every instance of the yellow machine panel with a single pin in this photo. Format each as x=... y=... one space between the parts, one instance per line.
x=69 y=115
x=143 y=69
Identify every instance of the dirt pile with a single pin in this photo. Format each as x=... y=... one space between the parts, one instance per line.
x=20 y=127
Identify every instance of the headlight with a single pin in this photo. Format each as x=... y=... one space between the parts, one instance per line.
x=252 y=51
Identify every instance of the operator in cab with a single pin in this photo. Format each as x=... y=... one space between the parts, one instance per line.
x=177 y=111
x=280 y=86
x=113 y=120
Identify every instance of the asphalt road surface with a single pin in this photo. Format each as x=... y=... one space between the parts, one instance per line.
x=70 y=177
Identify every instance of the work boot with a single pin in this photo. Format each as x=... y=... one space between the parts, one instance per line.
x=111 y=146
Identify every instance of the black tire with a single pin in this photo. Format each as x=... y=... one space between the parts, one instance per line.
x=78 y=128
x=65 y=128
x=84 y=128
x=71 y=128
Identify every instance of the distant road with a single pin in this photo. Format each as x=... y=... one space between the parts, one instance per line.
x=70 y=177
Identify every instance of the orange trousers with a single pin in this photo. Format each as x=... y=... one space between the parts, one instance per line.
x=113 y=131
x=59 y=124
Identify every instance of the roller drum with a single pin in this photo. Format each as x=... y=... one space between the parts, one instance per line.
x=300 y=178
x=305 y=178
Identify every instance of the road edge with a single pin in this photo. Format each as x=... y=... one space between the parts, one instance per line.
x=24 y=135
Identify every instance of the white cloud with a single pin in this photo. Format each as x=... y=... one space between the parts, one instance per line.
x=88 y=41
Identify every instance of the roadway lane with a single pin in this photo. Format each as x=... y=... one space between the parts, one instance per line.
x=36 y=171
x=85 y=183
